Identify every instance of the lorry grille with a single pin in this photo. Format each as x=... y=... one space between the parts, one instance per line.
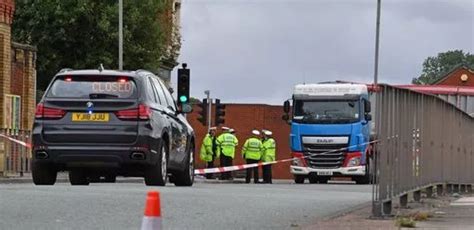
x=316 y=159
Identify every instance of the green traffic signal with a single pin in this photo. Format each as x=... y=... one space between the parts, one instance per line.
x=183 y=99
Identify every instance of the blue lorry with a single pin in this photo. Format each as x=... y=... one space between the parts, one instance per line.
x=330 y=132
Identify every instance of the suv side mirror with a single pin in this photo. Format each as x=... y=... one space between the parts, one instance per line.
x=186 y=108
x=368 y=117
x=286 y=106
x=367 y=108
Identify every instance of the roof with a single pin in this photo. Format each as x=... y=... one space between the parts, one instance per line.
x=440 y=89
x=447 y=74
x=337 y=89
x=104 y=72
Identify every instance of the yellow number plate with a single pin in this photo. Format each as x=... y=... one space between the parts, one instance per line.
x=100 y=117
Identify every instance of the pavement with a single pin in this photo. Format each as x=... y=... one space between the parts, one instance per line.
x=448 y=212
x=206 y=205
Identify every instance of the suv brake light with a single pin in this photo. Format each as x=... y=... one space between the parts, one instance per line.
x=143 y=112
x=48 y=113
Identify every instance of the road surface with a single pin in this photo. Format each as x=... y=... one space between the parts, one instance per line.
x=203 y=206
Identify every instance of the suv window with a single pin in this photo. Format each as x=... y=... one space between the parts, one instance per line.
x=159 y=90
x=168 y=96
x=152 y=91
x=93 y=87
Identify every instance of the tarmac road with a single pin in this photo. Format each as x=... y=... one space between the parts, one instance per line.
x=204 y=206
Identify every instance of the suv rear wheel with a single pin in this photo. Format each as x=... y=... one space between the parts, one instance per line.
x=186 y=177
x=158 y=174
x=43 y=174
x=77 y=177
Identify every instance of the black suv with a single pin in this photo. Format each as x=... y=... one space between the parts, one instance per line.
x=104 y=123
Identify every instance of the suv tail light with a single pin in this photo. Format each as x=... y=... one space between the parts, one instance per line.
x=48 y=113
x=143 y=112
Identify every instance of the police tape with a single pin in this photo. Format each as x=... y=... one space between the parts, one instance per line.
x=260 y=164
x=230 y=168
x=25 y=144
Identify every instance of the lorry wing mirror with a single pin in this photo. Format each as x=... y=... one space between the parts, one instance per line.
x=368 y=117
x=367 y=108
x=286 y=106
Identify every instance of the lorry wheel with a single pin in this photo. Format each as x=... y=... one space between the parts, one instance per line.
x=366 y=179
x=158 y=174
x=77 y=177
x=299 y=179
x=313 y=179
x=186 y=177
x=43 y=174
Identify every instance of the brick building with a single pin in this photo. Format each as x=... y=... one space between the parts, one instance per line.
x=17 y=85
x=245 y=117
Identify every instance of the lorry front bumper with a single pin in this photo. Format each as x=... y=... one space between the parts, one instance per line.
x=343 y=171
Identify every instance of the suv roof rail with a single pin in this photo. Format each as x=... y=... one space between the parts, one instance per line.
x=63 y=70
x=144 y=70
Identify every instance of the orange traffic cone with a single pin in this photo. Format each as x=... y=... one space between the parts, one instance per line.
x=152 y=218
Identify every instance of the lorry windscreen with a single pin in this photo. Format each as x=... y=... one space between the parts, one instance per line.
x=326 y=111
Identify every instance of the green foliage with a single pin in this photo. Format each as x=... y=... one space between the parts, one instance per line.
x=405 y=222
x=82 y=34
x=435 y=67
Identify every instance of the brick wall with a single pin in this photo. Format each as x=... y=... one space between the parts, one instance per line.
x=23 y=81
x=454 y=78
x=245 y=117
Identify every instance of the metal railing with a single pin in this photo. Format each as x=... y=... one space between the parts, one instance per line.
x=15 y=157
x=424 y=143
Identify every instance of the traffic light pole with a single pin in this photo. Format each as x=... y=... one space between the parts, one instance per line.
x=209 y=105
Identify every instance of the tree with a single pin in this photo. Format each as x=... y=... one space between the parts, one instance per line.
x=435 y=67
x=82 y=34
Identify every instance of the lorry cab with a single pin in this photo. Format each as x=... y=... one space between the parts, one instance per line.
x=330 y=129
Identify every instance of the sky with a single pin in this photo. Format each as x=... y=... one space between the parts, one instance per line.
x=255 y=51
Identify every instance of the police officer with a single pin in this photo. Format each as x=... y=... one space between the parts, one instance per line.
x=252 y=152
x=209 y=150
x=227 y=143
x=268 y=155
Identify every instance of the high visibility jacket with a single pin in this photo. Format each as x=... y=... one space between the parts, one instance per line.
x=227 y=143
x=206 y=149
x=269 y=149
x=252 y=149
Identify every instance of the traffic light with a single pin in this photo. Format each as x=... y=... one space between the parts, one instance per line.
x=219 y=113
x=203 y=113
x=183 y=85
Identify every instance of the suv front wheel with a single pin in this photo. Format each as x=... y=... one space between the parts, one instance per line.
x=157 y=175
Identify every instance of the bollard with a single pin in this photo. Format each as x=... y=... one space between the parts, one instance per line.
x=404 y=201
x=429 y=192
x=449 y=188
x=439 y=190
x=387 y=208
x=417 y=196
x=456 y=188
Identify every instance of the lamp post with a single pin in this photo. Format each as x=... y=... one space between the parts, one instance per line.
x=120 y=51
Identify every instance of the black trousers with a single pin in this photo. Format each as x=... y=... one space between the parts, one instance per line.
x=267 y=174
x=226 y=161
x=249 y=172
x=210 y=164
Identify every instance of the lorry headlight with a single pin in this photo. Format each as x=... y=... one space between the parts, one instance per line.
x=354 y=161
x=298 y=159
